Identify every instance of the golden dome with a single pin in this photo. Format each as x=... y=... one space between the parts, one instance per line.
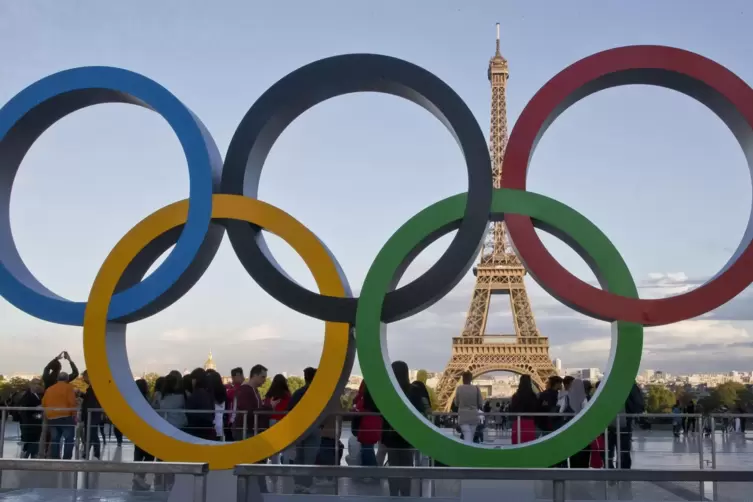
x=209 y=364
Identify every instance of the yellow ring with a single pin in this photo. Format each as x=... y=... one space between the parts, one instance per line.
x=105 y=344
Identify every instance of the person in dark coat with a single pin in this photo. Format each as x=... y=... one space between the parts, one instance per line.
x=92 y=416
x=201 y=403
x=31 y=420
x=399 y=450
x=52 y=370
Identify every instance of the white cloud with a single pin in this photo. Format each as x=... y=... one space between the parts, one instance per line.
x=260 y=332
x=175 y=335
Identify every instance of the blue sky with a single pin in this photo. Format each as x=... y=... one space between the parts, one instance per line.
x=657 y=172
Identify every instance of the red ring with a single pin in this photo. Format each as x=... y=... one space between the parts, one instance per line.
x=698 y=77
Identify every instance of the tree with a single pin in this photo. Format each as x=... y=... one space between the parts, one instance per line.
x=151 y=379
x=683 y=396
x=295 y=383
x=263 y=388
x=726 y=394
x=10 y=387
x=659 y=399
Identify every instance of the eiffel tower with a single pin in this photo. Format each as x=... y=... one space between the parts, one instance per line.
x=499 y=272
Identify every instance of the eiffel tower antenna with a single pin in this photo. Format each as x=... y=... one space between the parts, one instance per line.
x=499 y=271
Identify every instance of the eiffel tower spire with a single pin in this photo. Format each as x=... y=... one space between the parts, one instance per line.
x=499 y=272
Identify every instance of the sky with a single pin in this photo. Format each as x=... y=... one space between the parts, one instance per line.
x=656 y=171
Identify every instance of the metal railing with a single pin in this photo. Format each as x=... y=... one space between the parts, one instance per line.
x=248 y=476
x=198 y=471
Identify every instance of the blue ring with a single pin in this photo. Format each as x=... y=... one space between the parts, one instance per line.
x=28 y=114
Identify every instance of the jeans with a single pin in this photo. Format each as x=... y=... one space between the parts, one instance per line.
x=327 y=452
x=305 y=454
x=368 y=457
x=62 y=428
x=93 y=432
x=626 y=443
x=400 y=457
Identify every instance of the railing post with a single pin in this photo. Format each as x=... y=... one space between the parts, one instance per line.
x=338 y=428
x=87 y=444
x=200 y=487
x=240 y=489
x=606 y=461
x=245 y=424
x=248 y=489
x=617 y=454
x=712 y=420
x=256 y=423
x=3 y=417
x=558 y=490
x=518 y=427
x=699 y=432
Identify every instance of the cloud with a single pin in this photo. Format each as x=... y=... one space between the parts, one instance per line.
x=260 y=332
x=175 y=335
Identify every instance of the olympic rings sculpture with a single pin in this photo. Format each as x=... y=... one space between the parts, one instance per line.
x=223 y=197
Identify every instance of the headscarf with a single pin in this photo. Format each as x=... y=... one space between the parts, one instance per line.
x=577 y=395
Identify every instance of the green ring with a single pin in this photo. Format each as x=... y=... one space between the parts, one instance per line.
x=428 y=225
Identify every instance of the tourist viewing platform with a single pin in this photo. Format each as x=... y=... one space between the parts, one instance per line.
x=665 y=466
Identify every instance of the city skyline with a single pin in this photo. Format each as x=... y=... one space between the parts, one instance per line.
x=355 y=153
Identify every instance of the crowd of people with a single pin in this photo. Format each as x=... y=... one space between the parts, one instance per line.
x=200 y=404
x=555 y=406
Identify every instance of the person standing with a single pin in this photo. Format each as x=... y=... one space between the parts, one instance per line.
x=468 y=402
x=139 y=455
x=59 y=402
x=548 y=404
x=219 y=394
x=91 y=415
x=308 y=446
x=31 y=419
x=575 y=401
x=236 y=374
x=280 y=392
x=248 y=400
x=399 y=450
x=634 y=405
x=200 y=405
x=51 y=373
x=523 y=403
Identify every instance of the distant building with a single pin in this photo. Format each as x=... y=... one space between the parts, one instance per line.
x=209 y=364
x=558 y=365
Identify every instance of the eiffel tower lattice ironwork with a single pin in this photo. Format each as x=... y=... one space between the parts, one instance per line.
x=499 y=271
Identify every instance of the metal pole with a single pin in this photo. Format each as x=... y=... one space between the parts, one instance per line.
x=700 y=447
x=256 y=423
x=617 y=454
x=606 y=461
x=3 y=416
x=700 y=453
x=338 y=429
x=200 y=488
x=519 y=438
x=558 y=490
x=245 y=424
x=712 y=420
x=87 y=444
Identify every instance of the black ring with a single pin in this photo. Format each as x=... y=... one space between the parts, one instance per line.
x=310 y=85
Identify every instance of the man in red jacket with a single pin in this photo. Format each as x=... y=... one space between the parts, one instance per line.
x=232 y=388
x=247 y=399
